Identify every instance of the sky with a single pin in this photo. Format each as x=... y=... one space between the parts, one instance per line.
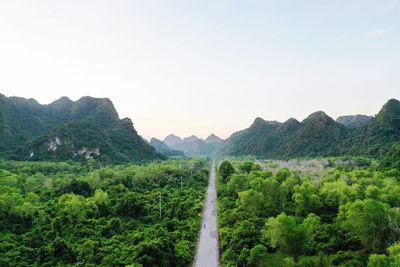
x=202 y=67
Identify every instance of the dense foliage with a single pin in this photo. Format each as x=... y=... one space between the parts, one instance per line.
x=72 y=214
x=318 y=135
x=60 y=130
x=330 y=212
x=391 y=160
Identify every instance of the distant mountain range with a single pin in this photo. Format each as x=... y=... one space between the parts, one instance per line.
x=66 y=129
x=319 y=135
x=213 y=139
x=354 y=121
x=162 y=148
x=191 y=145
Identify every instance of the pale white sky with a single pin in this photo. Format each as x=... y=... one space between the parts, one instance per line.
x=197 y=67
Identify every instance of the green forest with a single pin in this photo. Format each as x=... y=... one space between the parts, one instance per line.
x=323 y=212
x=80 y=187
x=84 y=214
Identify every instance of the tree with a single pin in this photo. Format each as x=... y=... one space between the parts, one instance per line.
x=284 y=232
x=376 y=260
x=306 y=198
x=246 y=167
x=183 y=252
x=282 y=174
x=394 y=255
x=238 y=183
x=373 y=192
x=311 y=226
x=86 y=251
x=258 y=255
x=72 y=206
x=256 y=167
x=251 y=200
x=225 y=170
x=367 y=221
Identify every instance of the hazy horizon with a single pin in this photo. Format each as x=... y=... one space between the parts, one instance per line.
x=148 y=137
x=204 y=67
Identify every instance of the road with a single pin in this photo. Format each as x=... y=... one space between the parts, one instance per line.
x=207 y=253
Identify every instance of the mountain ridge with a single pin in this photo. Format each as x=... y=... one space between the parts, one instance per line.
x=59 y=130
x=164 y=149
x=354 y=121
x=317 y=135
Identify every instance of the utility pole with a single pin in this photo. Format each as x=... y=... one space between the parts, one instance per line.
x=160 y=204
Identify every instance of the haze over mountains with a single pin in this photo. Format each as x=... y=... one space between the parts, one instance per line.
x=354 y=121
x=192 y=145
x=90 y=126
x=164 y=149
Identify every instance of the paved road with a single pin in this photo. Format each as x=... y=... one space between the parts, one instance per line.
x=207 y=253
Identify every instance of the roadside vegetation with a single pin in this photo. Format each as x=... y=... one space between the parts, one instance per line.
x=82 y=214
x=310 y=212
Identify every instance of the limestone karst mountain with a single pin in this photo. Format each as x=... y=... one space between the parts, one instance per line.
x=354 y=121
x=162 y=148
x=317 y=135
x=66 y=129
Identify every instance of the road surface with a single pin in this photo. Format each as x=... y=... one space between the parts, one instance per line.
x=207 y=253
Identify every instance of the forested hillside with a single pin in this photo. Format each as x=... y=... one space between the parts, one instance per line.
x=65 y=130
x=330 y=212
x=162 y=148
x=317 y=135
x=75 y=214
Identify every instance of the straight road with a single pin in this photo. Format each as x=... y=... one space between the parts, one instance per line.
x=207 y=253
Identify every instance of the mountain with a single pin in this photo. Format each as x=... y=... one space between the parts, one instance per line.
x=66 y=129
x=192 y=145
x=379 y=135
x=213 y=139
x=255 y=140
x=354 y=121
x=171 y=140
x=317 y=135
x=162 y=148
x=190 y=139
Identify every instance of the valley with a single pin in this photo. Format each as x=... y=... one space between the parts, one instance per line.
x=200 y=133
x=80 y=186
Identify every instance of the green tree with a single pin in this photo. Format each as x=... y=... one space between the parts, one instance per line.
x=87 y=252
x=251 y=200
x=246 y=167
x=284 y=232
x=256 y=167
x=306 y=198
x=367 y=221
x=378 y=260
x=258 y=256
x=225 y=170
x=238 y=183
